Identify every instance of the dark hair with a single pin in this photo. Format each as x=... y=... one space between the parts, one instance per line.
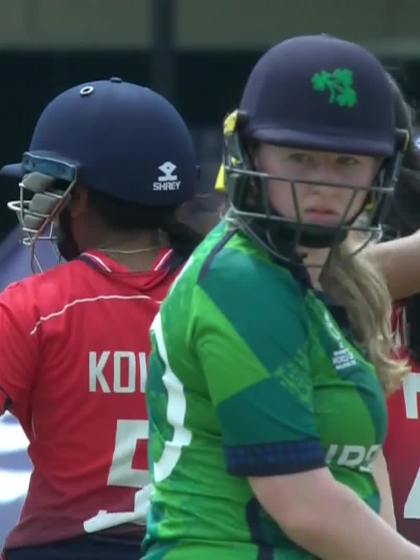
x=120 y=215
x=404 y=191
x=404 y=215
x=404 y=219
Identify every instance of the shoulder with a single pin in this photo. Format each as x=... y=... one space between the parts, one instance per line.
x=229 y=279
x=240 y=270
x=36 y=293
x=233 y=284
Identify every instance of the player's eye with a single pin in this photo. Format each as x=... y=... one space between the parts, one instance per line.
x=299 y=157
x=347 y=161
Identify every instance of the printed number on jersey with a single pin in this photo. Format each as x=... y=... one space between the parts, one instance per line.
x=175 y=412
x=122 y=473
x=411 y=390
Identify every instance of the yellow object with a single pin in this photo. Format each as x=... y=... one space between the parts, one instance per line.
x=230 y=122
x=229 y=127
x=220 y=185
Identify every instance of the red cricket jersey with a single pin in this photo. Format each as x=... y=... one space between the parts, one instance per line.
x=73 y=349
x=402 y=447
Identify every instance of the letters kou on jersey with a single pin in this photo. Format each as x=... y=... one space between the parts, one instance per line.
x=73 y=353
x=249 y=376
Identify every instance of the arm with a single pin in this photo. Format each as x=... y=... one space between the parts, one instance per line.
x=18 y=349
x=399 y=260
x=380 y=472
x=327 y=519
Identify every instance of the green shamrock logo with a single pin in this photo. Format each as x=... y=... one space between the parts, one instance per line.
x=339 y=84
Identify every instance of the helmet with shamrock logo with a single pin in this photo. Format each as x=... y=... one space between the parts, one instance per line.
x=312 y=93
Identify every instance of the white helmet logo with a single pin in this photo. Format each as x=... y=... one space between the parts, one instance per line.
x=168 y=181
x=167 y=169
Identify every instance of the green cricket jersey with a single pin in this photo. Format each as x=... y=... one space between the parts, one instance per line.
x=249 y=376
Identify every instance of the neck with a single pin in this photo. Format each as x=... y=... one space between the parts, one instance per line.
x=314 y=260
x=136 y=252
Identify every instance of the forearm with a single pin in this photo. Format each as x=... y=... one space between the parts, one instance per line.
x=380 y=471
x=337 y=525
x=399 y=260
x=347 y=529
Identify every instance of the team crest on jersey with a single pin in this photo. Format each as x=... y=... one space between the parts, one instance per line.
x=168 y=179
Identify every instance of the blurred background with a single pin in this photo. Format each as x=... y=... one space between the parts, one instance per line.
x=197 y=53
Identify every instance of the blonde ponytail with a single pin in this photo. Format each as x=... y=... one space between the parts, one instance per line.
x=355 y=283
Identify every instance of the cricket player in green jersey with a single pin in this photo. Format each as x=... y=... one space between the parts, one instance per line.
x=266 y=402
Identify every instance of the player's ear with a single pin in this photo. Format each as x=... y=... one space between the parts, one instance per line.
x=79 y=203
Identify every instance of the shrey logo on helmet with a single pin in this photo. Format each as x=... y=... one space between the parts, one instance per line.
x=169 y=180
x=131 y=162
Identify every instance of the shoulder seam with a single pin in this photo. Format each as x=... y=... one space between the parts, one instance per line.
x=87 y=300
x=210 y=257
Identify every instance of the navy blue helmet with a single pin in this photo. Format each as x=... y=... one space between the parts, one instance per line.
x=315 y=93
x=118 y=138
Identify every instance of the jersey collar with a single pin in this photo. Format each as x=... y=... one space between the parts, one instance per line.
x=103 y=262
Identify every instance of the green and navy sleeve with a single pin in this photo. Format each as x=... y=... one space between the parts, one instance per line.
x=250 y=333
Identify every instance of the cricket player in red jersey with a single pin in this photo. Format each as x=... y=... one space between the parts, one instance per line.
x=400 y=260
x=402 y=449
x=108 y=167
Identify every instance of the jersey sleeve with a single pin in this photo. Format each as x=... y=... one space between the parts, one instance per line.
x=252 y=341
x=18 y=348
